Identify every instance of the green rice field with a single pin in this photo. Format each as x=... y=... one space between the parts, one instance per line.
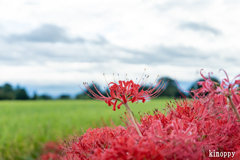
x=27 y=125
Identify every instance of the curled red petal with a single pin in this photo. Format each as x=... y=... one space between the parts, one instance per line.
x=119 y=105
x=225 y=74
x=134 y=99
x=202 y=74
x=124 y=98
x=109 y=102
x=114 y=105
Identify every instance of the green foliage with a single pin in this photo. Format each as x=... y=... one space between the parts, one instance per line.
x=7 y=88
x=26 y=125
x=8 y=93
x=44 y=97
x=21 y=94
x=82 y=96
x=34 y=96
x=64 y=96
x=171 y=89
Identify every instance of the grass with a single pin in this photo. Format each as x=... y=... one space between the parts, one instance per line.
x=26 y=125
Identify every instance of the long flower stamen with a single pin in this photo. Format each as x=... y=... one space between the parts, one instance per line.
x=114 y=78
x=105 y=78
x=142 y=75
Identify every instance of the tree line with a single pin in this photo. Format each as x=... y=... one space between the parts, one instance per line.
x=7 y=92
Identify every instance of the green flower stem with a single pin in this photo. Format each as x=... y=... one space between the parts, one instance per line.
x=234 y=108
x=133 y=119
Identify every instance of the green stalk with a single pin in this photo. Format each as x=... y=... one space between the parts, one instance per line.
x=234 y=108
x=133 y=119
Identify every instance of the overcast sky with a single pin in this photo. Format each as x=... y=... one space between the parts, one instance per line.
x=52 y=46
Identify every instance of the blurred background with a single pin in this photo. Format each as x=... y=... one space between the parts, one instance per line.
x=48 y=48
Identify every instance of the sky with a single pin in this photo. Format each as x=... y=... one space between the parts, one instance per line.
x=52 y=46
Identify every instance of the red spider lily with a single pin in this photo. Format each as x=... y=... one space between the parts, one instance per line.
x=229 y=88
x=208 y=86
x=226 y=88
x=126 y=91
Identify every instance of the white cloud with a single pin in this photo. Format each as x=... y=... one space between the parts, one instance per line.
x=170 y=38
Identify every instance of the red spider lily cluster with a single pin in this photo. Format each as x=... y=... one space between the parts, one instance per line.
x=191 y=129
x=227 y=87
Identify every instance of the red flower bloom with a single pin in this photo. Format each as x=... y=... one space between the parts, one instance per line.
x=126 y=91
x=229 y=88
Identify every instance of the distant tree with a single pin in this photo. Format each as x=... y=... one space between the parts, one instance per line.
x=21 y=94
x=171 y=88
x=7 y=88
x=34 y=96
x=45 y=97
x=7 y=92
x=144 y=88
x=64 y=96
x=82 y=96
x=1 y=94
